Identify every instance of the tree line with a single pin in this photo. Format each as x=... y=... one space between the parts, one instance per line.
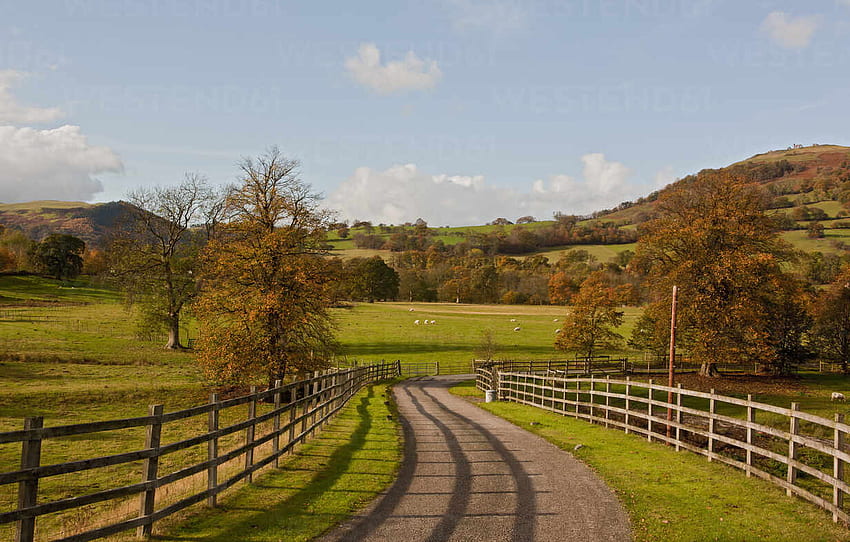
x=252 y=263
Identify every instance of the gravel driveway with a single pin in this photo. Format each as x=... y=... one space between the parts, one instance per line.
x=470 y=476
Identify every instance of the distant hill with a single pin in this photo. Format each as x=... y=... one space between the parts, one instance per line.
x=801 y=175
x=91 y=222
x=803 y=183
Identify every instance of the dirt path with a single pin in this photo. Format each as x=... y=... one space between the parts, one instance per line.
x=470 y=476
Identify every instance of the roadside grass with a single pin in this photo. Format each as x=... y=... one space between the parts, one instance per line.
x=348 y=464
x=675 y=496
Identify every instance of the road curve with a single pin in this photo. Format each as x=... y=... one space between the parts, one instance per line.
x=470 y=476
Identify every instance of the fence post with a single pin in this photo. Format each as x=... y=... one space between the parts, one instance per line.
x=212 y=450
x=794 y=429
x=592 y=395
x=712 y=404
x=649 y=413
x=276 y=424
x=607 y=398
x=678 y=417
x=249 y=435
x=838 y=466
x=305 y=408
x=628 y=394
x=28 y=489
x=293 y=412
x=398 y=367
x=152 y=441
x=751 y=418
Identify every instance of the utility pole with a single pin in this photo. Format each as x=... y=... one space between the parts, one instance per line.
x=672 y=361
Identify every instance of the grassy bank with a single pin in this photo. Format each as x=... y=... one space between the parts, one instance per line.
x=675 y=496
x=352 y=460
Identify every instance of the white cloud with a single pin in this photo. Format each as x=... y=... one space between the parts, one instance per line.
x=788 y=31
x=12 y=112
x=51 y=164
x=412 y=73
x=403 y=193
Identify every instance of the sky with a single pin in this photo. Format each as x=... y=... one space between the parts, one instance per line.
x=455 y=111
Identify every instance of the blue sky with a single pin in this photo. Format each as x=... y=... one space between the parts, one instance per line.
x=457 y=111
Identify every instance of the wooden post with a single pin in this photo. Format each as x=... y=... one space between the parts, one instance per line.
x=678 y=417
x=212 y=449
x=628 y=392
x=751 y=418
x=671 y=362
x=592 y=389
x=305 y=407
x=436 y=367
x=711 y=408
x=148 y=497
x=293 y=412
x=249 y=434
x=607 y=398
x=276 y=424
x=649 y=413
x=838 y=466
x=28 y=489
x=794 y=429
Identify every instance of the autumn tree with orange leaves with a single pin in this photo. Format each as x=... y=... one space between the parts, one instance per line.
x=263 y=308
x=713 y=241
x=594 y=315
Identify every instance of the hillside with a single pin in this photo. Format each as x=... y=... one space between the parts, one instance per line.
x=37 y=219
x=804 y=184
x=793 y=177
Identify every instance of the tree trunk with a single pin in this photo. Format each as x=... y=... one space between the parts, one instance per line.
x=174 y=335
x=709 y=369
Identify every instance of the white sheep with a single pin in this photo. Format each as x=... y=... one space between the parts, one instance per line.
x=411 y=309
x=433 y=321
x=416 y=322
x=517 y=328
x=838 y=396
x=425 y=322
x=557 y=331
x=555 y=320
x=513 y=319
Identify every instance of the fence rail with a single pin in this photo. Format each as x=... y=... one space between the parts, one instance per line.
x=309 y=404
x=802 y=453
x=426 y=368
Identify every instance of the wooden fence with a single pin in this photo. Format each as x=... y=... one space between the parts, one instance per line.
x=427 y=368
x=309 y=404
x=803 y=453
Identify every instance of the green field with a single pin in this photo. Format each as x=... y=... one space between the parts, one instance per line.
x=676 y=496
x=69 y=352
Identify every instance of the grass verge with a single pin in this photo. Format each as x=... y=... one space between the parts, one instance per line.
x=352 y=460
x=675 y=496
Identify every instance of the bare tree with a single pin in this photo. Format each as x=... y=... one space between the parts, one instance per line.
x=155 y=255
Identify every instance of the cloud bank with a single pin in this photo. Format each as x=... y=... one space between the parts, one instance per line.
x=38 y=164
x=788 y=31
x=412 y=73
x=51 y=164
x=404 y=193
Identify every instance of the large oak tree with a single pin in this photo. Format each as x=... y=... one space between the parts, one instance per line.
x=712 y=239
x=263 y=305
